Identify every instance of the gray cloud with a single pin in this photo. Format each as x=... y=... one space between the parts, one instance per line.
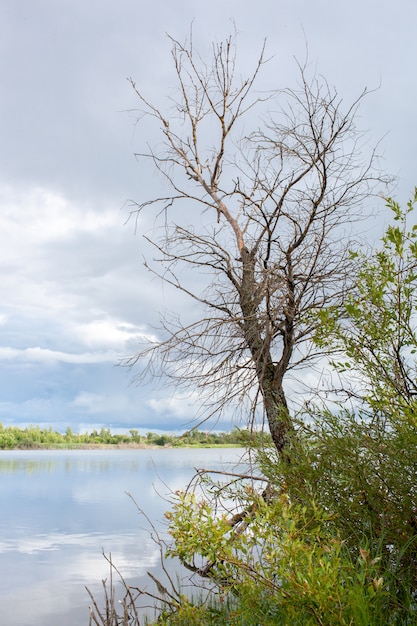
x=75 y=294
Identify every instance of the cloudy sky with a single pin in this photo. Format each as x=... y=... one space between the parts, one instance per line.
x=75 y=296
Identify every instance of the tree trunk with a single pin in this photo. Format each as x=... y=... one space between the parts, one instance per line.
x=268 y=373
x=277 y=413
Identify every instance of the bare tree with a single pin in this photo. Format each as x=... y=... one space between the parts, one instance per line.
x=267 y=231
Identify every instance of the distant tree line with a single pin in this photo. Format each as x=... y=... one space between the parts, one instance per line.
x=35 y=437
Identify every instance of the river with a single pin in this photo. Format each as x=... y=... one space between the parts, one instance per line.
x=61 y=509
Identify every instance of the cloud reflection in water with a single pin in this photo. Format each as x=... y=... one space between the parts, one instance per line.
x=60 y=512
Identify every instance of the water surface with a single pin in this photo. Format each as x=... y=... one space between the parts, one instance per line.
x=61 y=509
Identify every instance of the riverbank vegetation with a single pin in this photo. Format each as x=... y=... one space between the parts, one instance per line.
x=34 y=437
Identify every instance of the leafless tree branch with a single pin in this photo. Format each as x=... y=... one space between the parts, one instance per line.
x=261 y=217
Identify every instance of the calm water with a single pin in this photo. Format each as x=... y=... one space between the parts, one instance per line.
x=60 y=510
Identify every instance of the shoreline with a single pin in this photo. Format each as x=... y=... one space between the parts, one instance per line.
x=116 y=446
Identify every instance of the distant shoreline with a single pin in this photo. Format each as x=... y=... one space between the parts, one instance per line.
x=37 y=438
x=117 y=446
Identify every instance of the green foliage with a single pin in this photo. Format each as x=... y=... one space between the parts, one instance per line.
x=282 y=567
x=34 y=437
x=200 y=438
x=375 y=335
x=366 y=478
x=364 y=461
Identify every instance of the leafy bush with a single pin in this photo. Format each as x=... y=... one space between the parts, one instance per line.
x=280 y=565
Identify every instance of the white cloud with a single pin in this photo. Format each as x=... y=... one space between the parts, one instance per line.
x=46 y=356
x=111 y=333
x=104 y=404
x=38 y=215
x=176 y=405
x=67 y=276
